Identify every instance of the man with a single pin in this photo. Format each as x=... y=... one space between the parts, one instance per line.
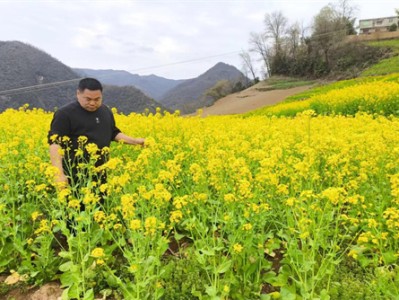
x=79 y=124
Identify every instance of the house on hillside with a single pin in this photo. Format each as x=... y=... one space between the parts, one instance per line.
x=369 y=26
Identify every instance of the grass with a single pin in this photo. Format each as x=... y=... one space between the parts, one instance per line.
x=282 y=83
x=385 y=66
x=388 y=65
x=393 y=44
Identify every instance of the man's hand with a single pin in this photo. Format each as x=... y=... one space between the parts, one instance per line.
x=140 y=142
x=121 y=137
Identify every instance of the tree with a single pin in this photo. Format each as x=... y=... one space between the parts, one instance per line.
x=293 y=39
x=276 y=27
x=219 y=90
x=247 y=63
x=331 y=26
x=258 y=43
x=345 y=14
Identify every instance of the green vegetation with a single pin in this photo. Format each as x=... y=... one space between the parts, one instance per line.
x=388 y=65
x=282 y=82
x=371 y=94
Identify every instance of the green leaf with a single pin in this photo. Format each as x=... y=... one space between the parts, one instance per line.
x=65 y=254
x=288 y=293
x=178 y=236
x=265 y=297
x=111 y=280
x=389 y=257
x=89 y=295
x=65 y=267
x=324 y=295
x=64 y=295
x=211 y=291
x=207 y=252
x=200 y=258
x=70 y=278
x=73 y=292
x=222 y=268
x=269 y=277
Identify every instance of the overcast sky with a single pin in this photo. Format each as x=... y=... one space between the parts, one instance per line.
x=175 y=39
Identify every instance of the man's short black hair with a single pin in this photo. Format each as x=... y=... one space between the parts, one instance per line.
x=91 y=84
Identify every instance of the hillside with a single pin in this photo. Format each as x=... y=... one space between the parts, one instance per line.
x=189 y=95
x=286 y=99
x=151 y=85
x=23 y=65
x=250 y=99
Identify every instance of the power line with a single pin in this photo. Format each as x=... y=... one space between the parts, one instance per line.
x=184 y=61
x=34 y=88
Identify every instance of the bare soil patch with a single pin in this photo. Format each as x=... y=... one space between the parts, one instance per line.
x=250 y=99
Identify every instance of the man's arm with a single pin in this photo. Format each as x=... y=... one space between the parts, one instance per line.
x=56 y=161
x=121 y=137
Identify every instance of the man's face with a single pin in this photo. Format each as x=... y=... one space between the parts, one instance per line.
x=90 y=100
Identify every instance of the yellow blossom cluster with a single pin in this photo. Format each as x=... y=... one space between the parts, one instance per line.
x=231 y=178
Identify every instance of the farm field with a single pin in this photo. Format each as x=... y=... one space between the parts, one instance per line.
x=226 y=207
x=298 y=200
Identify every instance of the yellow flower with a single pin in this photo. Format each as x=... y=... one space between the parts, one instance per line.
x=304 y=235
x=63 y=194
x=97 y=252
x=150 y=225
x=99 y=216
x=176 y=216
x=74 y=203
x=127 y=205
x=229 y=198
x=44 y=227
x=53 y=137
x=226 y=218
x=353 y=253
x=290 y=201
x=35 y=215
x=237 y=248
x=133 y=268
x=40 y=187
x=117 y=226
x=103 y=187
x=82 y=139
x=135 y=224
x=371 y=223
x=247 y=226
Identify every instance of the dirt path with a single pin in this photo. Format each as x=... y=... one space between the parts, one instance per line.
x=248 y=100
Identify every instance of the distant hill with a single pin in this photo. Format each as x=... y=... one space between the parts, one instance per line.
x=23 y=65
x=151 y=85
x=189 y=95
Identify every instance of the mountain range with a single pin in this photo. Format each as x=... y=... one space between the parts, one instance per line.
x=151 y=85
x=29 y=75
